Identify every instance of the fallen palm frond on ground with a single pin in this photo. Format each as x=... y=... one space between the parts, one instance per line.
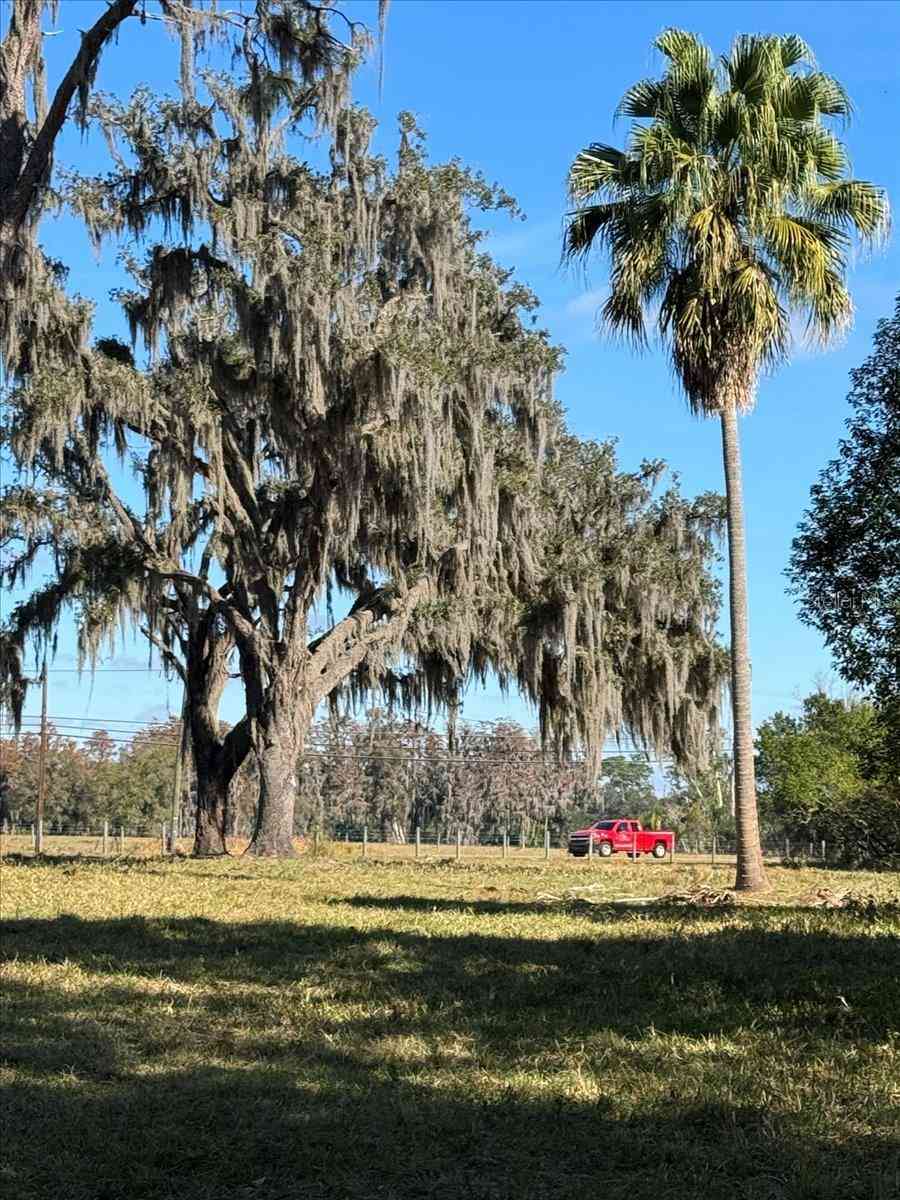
x=862 y=904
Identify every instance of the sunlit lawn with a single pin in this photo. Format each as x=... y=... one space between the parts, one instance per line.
x=341 y=1028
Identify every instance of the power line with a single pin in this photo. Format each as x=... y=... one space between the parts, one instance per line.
x=88 y=725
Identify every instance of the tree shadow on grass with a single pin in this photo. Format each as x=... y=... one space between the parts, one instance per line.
x=696 y=975
x=336 y=1126
x=206 y=1059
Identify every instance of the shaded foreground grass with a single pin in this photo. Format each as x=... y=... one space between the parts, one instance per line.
x=350 y=1029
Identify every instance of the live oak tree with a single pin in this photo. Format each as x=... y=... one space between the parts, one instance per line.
x=343 y=400
x=845 y=563
x=731 y=206
x=346 y=398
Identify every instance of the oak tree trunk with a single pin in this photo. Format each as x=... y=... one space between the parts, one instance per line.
x=212 y=814
x=751 y=875
x=280 y=734
x=217 y=759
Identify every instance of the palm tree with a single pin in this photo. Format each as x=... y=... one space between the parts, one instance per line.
x=730 y=207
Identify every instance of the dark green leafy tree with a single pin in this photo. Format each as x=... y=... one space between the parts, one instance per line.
x=845 y=563
x=825 y=774
x=731 y=205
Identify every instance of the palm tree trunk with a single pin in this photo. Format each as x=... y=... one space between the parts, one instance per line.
x=751 y=876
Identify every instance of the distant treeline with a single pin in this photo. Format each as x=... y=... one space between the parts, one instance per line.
x=823 y=776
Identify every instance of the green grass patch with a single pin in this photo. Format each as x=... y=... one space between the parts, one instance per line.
x=339 y=1028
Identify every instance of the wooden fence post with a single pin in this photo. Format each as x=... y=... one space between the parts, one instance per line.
x=33 y=838
x=458 y=843
x=824 y=856
x=316 y=842
x=105 y=838
x=713 y=852
x=546 y=843
x=787 y=848
x=505 y=844
x=590 y=844
x=418 y=841
x=163 y=841
x=365 y=841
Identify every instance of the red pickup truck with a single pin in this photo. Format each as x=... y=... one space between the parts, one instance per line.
x=628 y=837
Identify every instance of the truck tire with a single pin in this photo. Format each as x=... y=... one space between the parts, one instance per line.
x=605 y=849
x=659 y=850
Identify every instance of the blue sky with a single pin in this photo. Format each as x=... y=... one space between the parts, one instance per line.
x=516 y=89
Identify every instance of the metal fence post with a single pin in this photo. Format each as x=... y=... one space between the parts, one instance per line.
x=546 y=843
x=458 y=843
x=365 y=841
x=105 y=838
x=418 y=841
x=590 y=844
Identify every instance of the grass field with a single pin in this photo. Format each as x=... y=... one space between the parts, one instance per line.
x=484 y=1030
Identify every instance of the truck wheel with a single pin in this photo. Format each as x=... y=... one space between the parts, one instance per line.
x=659 y=850
x=605 y=849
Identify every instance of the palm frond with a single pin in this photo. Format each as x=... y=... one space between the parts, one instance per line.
x=795 y=50
x=585 y=228
x=683 y=49
x=594 y=169
x=643 y=99
x=853 y=204
x=804 y=250
x=830 y=309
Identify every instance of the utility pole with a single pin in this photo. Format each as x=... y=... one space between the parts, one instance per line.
x=180 y=760
x=42 y=766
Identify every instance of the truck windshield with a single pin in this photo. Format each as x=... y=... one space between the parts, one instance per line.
x=604 y=825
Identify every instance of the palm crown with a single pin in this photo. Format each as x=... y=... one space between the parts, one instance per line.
x=731 y=207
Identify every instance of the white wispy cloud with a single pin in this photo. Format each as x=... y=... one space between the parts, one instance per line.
x=586 y=304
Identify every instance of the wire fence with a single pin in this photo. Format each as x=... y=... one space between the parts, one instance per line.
x=110 y=840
